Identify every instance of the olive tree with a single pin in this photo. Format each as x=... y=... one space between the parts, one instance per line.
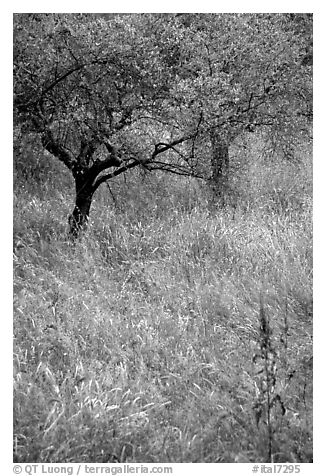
x=245 y=73
x=96 y=90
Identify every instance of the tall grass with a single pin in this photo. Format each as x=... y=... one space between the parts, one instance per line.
x=143 y=341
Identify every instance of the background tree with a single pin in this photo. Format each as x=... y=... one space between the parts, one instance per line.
x=245 y=73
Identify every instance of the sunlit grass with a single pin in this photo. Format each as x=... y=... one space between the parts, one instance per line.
x=138 y=342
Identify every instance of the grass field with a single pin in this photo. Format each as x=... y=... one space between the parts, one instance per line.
x=176 y=330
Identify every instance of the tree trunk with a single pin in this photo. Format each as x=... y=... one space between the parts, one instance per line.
x=78 y=220
x=219 y=164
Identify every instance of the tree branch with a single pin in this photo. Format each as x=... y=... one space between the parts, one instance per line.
x=117 y=172
x=56 y=149
x=159 y=148
x=61 y=78
x=163 y=146
x=175 y=169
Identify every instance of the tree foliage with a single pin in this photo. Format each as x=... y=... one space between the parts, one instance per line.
x=160 y=91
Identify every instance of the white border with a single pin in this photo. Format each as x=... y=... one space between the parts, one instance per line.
x=319 y=197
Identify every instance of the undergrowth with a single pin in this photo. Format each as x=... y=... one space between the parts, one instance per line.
x=175 y=330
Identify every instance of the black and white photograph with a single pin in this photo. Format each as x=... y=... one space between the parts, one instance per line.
x=162 y=240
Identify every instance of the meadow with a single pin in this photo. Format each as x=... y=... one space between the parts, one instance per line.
x=177 y=329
